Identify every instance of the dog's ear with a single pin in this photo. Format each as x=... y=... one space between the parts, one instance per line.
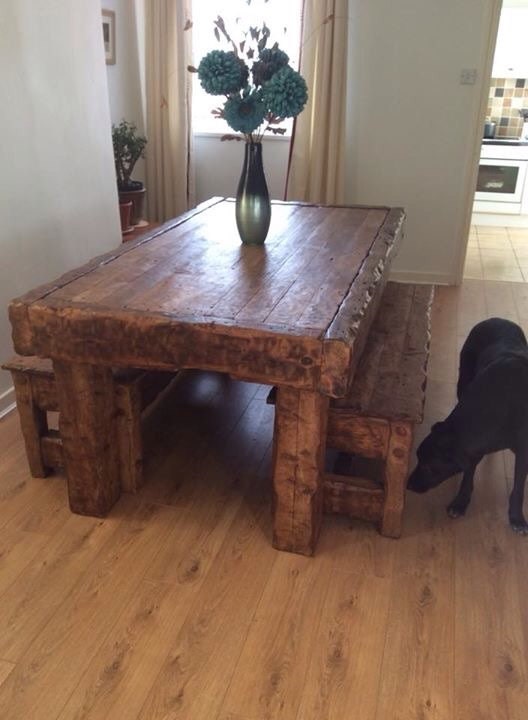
x=443 y=435
x=445 y=439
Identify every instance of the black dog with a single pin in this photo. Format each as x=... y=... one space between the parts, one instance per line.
x=491 y=415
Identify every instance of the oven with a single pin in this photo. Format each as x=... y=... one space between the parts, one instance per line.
x=502 y=182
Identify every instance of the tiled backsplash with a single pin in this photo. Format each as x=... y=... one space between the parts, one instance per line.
x=507 y=96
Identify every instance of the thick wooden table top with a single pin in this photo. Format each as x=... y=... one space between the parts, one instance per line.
x=191 y=295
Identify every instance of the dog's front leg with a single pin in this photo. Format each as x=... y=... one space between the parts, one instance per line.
x=516 y=517
x=458 y=506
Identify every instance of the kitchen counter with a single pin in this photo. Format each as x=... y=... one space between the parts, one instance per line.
x=504 y=141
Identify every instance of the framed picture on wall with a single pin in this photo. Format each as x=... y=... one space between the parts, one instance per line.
x=109 y=36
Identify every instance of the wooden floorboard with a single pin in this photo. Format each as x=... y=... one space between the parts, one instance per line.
x=176 y=605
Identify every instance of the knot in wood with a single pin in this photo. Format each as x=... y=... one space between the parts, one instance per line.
x=306 y=360
x=399 y=453
x=401 y=431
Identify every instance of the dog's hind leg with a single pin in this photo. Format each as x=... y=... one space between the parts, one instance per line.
x=458 y=506
x=515 y=513
x=466 y=370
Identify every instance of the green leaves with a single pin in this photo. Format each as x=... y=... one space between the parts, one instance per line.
x=129 y=146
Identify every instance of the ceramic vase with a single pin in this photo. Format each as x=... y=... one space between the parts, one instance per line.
x=253 y=207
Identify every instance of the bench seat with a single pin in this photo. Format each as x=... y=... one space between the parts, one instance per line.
x=375 y=421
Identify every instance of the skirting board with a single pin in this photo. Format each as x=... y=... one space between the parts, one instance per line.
x=7 y=402
x=409 y=276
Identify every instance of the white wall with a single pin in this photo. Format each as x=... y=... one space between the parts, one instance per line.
x=413 y=127
x=218 y=166
x=58 y=200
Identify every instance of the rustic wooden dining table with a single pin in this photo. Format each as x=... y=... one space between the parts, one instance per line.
x=293 y=313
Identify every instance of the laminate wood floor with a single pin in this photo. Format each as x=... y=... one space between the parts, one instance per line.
x=176 y=605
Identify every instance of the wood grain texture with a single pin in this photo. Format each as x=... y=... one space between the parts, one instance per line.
x=273 y=687
x=88 y=432
x=431 y=627
x=395 y=478
x=298 y=457
x=348 y=332
x=376 y=418
x=22 y=335
x=347 y=431
x=33 y=421
x=348 y=642
x=391 y=376
x=189 y=295
x=487 y=545
x=36 y=393
x=51 y=450
x=357 y=497
x=5 y=669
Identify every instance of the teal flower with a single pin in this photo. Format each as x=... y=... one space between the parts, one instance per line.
x=244 y=113
x=270 y=61
x=285 y=94
x=222 y=73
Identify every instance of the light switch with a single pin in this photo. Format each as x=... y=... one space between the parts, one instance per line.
x=468 y=76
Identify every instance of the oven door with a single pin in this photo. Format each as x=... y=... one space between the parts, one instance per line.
x=501 y=180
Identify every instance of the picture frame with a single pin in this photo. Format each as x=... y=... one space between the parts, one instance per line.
x=109 y=34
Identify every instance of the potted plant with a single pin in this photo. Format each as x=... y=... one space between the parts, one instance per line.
x=129 y=146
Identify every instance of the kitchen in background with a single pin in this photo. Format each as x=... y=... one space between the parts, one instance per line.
x=498 y=240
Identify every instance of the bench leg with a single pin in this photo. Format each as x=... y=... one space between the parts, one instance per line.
x=298 y=464
x=129 y=441
x=33 y=423
x=88 y=430
x=396 y=471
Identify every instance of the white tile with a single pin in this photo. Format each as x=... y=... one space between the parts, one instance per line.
x=499 y=259
x=473 y=270
x=494 y=242
x=510 y=274
x=491 y=230
x=518 y=233
x=521 y=254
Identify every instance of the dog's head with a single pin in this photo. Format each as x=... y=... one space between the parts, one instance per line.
x=437 y=459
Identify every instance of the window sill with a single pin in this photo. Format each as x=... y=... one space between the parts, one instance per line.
x=218 y=135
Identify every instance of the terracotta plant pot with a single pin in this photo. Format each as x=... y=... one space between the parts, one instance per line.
x=125 y=211
x=137 y=198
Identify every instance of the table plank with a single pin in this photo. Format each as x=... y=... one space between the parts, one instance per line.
x=199 y=268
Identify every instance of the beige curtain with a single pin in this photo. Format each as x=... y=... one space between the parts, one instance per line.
x=317 y=155
x=170 y=187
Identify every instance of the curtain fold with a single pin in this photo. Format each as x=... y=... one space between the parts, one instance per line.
x=170 y=185
x=316 y=170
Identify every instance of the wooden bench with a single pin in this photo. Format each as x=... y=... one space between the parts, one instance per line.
x=36 y=395
x=374 y=423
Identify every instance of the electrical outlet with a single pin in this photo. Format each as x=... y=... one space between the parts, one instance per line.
x=468 y=76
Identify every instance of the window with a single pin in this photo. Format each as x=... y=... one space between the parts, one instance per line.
x=283 y=17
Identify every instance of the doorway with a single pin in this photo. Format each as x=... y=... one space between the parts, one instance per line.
x=498 y=239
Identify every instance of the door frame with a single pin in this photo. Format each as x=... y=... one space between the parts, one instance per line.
x=487 y=66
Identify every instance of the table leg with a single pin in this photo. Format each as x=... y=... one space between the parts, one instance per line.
x=298 y=465
x=88 y=431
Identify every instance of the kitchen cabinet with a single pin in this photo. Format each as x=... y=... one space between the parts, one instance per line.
x=511 y=50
